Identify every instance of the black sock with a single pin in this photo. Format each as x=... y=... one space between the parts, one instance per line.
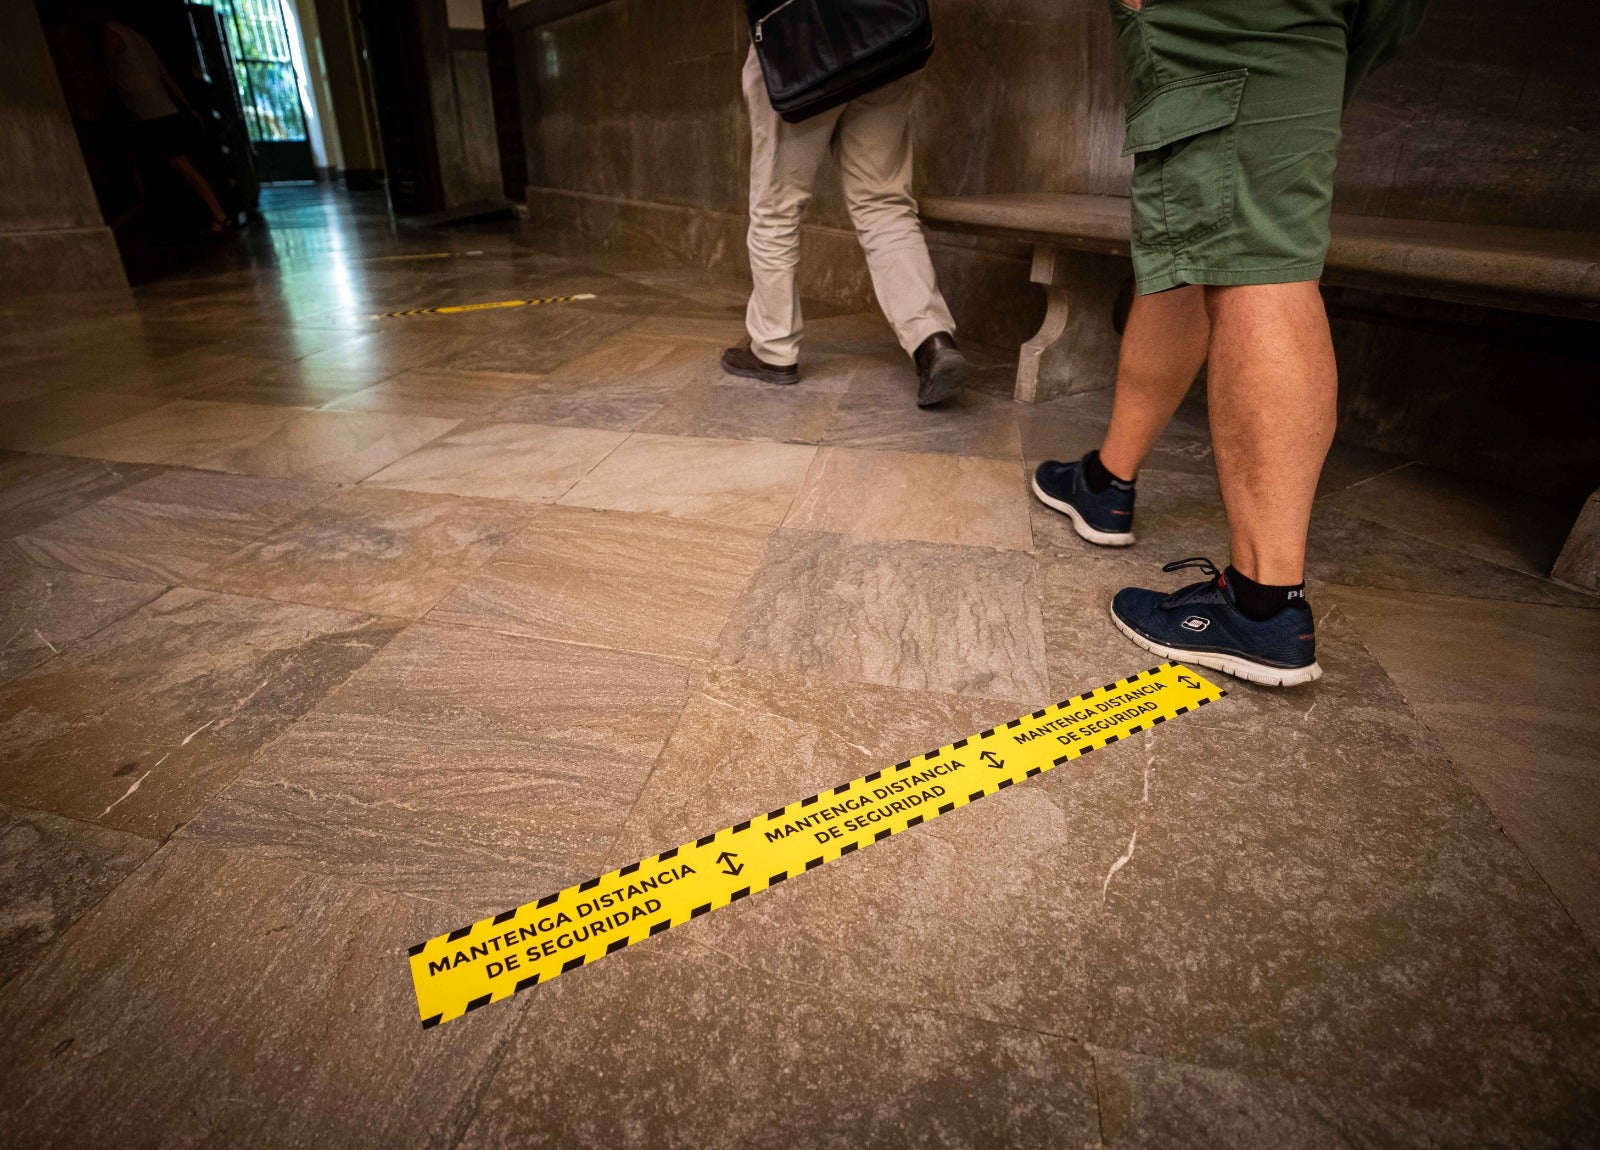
x=1260 y=601
x=1096 y=475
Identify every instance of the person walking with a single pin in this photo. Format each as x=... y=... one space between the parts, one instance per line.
x=1233 y=119
x=152 y=97
x=870 y=138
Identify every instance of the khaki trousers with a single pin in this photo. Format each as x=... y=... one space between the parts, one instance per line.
x=870 y=139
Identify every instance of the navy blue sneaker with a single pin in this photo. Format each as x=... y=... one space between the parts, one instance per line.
x=1201 y=624
x=1105 y=519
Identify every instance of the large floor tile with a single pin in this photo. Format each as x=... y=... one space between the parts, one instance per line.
x=299 y=383
x=729 y=411
x=788 y=1066
x=1330 y=902
x=915 y=615
x=395 y=783
x=1152 y=1102
x=52 y=870
x=222 y=1000
x=1555 y=819
x=171 y=528
x=446 y=394
x=1508 y=688
x=39 y=423
x=1488 y=522
x=899 y=495
x=880 y=411
x=612 y=579
x=618 y=702
x=14 y=388
x=481 y=821
x=43 y=610
x=183 y=374
x=535 y=341
x=754 y=740
x=371 y=549
x=34 y=489
x=137 y=726
x=615 y=387
x=185 y=433
x=1344 y=548
x=725 y=481
x=148 y=367
x=610 y=404
x=375 y=355
x=502 y=460
x=332 y=447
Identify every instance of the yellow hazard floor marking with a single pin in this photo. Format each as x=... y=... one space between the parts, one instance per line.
x=457 y=309
x=495 y=957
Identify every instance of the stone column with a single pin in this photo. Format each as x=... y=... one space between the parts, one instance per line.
x=1579 y=563
x=52 y=237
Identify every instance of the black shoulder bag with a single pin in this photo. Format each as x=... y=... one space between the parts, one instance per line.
x=818 y=54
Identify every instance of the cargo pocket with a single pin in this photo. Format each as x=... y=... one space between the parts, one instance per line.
x=1182 y=138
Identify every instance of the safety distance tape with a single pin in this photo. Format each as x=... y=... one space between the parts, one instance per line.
x=492 y=305
x=495 y=958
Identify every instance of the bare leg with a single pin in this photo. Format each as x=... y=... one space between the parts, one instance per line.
x=202 y=187
x=1162 y=351
x=1273 y=395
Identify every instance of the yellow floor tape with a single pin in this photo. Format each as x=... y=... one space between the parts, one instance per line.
x=457 y=309
x=496 y=957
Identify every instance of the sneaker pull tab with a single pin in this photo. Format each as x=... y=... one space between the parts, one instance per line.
x=1198 y=562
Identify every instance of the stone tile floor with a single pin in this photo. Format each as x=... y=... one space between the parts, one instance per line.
x=323 y=634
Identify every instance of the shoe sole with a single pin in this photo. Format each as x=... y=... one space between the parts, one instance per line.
x=1085 y=532
x=1262 y=674
x=785 y=380
x=944 y=381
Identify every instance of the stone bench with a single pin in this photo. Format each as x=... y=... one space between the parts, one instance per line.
x=1521 y=269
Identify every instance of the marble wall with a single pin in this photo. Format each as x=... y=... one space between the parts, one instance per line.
x=52 y=238
x=638 y=140
x=1492 y=117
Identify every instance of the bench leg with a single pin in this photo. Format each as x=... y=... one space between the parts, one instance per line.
x=1075 y=348
x=1579 y=564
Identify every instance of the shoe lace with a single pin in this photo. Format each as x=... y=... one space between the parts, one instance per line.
x=1187 y=594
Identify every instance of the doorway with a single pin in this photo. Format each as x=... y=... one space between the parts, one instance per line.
x=259 y=39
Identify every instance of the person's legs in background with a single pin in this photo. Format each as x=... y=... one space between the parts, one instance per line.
x=784 y=159
x=189 y=174
x=873 y=146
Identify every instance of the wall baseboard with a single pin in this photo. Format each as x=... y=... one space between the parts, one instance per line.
x=60 y=260
x=985 y=282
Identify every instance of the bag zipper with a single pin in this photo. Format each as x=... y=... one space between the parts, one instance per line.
x=756 y=31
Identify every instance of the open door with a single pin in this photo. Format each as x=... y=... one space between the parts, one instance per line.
x=257 y=33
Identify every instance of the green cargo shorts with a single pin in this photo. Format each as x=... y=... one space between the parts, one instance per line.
x=1233 y=120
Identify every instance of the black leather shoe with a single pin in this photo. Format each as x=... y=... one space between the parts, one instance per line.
x=941 y=369
x=743 y=361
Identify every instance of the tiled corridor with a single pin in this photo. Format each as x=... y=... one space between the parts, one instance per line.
x=323 y=634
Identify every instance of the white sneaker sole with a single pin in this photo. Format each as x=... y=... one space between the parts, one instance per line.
x=1099 y=538
x=1252 y=672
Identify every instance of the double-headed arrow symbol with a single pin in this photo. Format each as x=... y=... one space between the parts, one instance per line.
x=726 y=859
x=988 y=757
